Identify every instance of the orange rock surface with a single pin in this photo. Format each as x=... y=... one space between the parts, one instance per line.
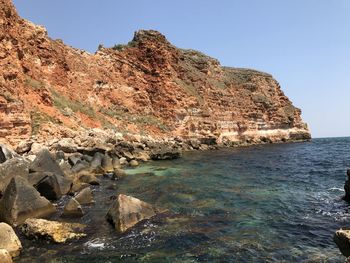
x=146 y=87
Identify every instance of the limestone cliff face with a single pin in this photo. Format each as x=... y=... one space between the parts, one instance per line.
x=147 y=86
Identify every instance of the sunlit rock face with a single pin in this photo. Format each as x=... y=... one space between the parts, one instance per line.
x=147 y=86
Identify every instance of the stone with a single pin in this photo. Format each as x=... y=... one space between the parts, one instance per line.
x=9 y=240
x=123 y=161
x=57 y=232
x=127 y=211
x=74 y=159
x=46 y=184
x=107 y=164
x=115 y=162
x=5 y=256
x=44 y=162
x=85 y=197
x=342 y=239
x=96 y=163
x=36 y=148
x=119 y=174
x=73 y=209
x=24 y=147
x=66 y=145
x=133 y=163
x=14 y=167
x=142 y=156
x=6 y=153
x=21 y=201
x=81 y=165
x=164 y=152
x=89 y=178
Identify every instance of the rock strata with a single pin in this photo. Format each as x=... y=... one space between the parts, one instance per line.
x=127 y=211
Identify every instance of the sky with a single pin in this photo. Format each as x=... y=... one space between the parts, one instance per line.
x=304 y=44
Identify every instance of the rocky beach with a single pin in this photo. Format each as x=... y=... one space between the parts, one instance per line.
x=79 y=132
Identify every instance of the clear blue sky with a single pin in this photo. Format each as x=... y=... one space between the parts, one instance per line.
x=305 y=44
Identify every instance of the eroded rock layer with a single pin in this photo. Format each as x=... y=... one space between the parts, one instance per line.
x=146 y=87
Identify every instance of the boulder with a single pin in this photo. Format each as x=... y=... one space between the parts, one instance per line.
x=36 y=148
x=119 y=174
x=116 y=163
x=107 y=164
x=96 y=163
x=164 y=152
x=73 y=209
x=74 y=159
x=123 y=161
x=84 y=197
x=127 y=211
x=134 y=163
x=14 y=167
x=6 y=153
x=9 y=240
x=66 y=145
x=44 y=162
x=60 y=157
x=46 y=184
x=80 y=166
x=57 y=232
x=342 y=239
x=89 y=178
x=24 y=147
x=21 y=201
x=347 y=187
x=142 y=156
x=5 y=256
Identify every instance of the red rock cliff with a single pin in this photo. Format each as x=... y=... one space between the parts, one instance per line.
x=147 y=86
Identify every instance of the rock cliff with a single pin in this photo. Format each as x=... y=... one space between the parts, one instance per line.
x=147 y=87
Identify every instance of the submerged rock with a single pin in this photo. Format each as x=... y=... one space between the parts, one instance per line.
x=73 y=209
x=342 y=239
x=5 y=256
x=127 y=211
x=54 y=231
x=21 y=201
x=9 y=240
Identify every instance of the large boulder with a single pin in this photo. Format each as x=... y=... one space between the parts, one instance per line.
x=46 y=184
x=5 y=256
x=9 y=240
x=57 y=232
x=342 y=239
x=6 y=153
x=107 y=164
x=66 y=145
x=21 y=201
x=14 y=167
x=44 y=162
x=127 y=211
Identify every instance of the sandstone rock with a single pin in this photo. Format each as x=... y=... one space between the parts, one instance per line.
x=66 y=145
x=46 y=184
x=116 y=163
x=84 y=197
x=24 y=147
x=142 y=156
x=5 y=256
x=123 y=161
x=11 y=168
x=127 y=211
x=119 y=173
x=78 y=186
x=21 y=201
x=6 y=153
x=73 y=209
x=44 y=162
x=9 y=240
x=54 y=231
x=107 y=164
x=342 y=239
x=134 y=163
x=36 y=148
x=87 y=177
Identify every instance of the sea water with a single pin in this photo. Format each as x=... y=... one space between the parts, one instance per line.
x=267 y=203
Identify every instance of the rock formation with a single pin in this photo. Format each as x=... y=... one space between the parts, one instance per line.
x=127 y=211
x=148 y=86
x=9 y=240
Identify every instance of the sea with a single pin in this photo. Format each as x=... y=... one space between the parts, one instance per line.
x=263 y=203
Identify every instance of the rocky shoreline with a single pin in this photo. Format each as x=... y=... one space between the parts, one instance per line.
x=35 y=176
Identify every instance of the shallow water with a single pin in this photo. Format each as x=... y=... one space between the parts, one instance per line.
x=271 y=203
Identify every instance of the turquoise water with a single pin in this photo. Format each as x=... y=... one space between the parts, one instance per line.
x=271 y=203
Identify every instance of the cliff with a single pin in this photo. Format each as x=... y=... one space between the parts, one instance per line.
x=147 y=87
